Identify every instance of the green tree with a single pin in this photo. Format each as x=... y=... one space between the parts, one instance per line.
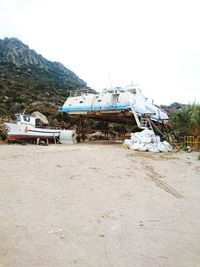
x=187 y=121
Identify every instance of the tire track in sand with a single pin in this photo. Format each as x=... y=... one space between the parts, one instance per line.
x=154 y=177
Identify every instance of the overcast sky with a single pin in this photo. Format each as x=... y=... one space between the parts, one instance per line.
x=154 y=43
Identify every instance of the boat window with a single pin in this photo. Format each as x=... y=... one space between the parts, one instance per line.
x=99 y=100
x=133 y=91
x=81 y=102
x=18 y=118
x=26 y=118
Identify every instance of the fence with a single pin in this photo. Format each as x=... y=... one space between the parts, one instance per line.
x=192 y=141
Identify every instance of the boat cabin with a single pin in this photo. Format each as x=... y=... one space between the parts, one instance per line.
x=25 y=119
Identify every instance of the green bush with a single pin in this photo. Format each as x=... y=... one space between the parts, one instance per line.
x=186 y=121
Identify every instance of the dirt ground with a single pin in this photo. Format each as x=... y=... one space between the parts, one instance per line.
x=95 y=205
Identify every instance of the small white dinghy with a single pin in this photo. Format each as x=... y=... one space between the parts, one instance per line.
x=25 y=129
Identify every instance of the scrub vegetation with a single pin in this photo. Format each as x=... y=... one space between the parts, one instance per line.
x=30 y=82
x=186 y=121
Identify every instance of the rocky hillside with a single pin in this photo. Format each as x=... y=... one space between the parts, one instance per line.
x=29 y=81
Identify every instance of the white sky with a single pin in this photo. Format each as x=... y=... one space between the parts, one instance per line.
x=154 y=43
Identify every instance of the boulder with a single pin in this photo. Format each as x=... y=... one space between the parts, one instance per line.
x=40 y=116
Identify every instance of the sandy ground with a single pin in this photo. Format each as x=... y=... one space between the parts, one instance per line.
x=98 y=205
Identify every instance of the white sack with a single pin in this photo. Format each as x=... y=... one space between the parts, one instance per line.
x=128 y=142
x=155 y=139
x=170 y=148
x=135 y=146
x=163 y=148
x=147 y=133
x=147 y=141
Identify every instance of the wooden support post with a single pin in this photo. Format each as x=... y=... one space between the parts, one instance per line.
x=82 y=129
x=78 y=131
x=38 y=141
x=123 y=133
x=54 y=138
x=162 y=127
x=106 y=130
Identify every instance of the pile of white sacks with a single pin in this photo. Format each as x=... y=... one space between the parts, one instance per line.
x=147 y=141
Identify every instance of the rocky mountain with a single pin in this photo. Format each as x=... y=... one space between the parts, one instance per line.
x=29 y=81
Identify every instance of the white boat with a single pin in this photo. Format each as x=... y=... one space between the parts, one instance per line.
x=115 y=100
x=25 y=128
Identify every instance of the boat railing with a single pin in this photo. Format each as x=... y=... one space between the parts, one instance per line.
x=81 y=92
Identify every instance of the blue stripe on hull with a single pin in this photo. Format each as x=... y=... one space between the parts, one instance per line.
x=104 y=108
x=93 y=109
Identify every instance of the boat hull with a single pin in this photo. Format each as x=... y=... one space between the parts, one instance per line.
x=22 y=132
x=115 y=100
